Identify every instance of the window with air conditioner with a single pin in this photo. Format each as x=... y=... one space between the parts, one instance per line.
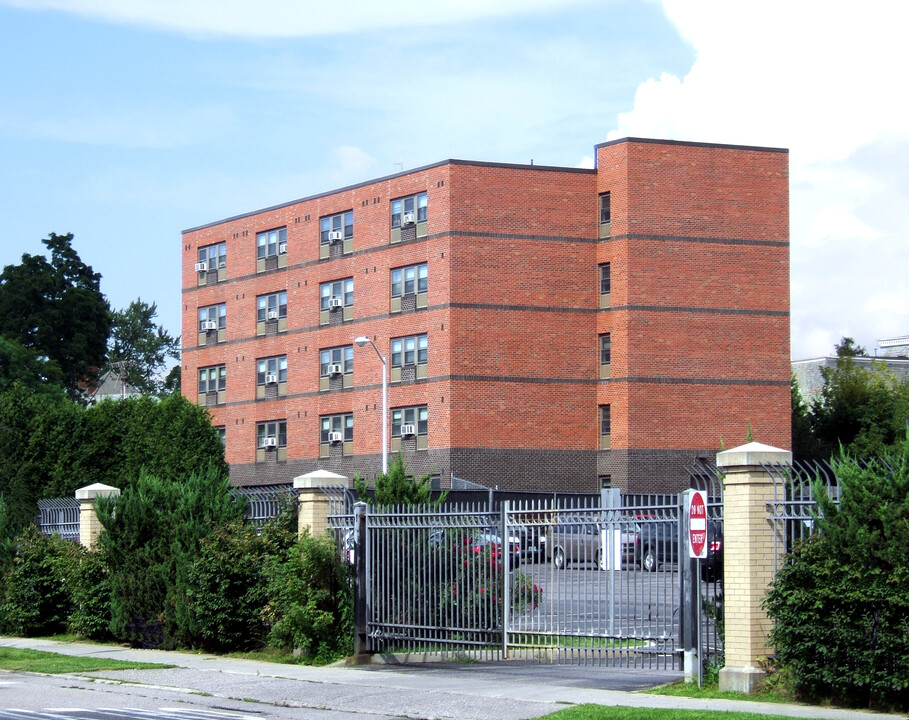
x=212 y=318
x=336 y=367
x=271 y=377
x=337 y=228
x=271 y=441
x=336 y=431
x=211 y=257
x=271 y=243
x=270 y=309
x=409 y=210
x=336 y=301
x=409 y=425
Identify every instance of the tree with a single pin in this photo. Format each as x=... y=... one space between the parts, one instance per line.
x=57 y=310
x=50 y=446
x=804 y=444
x=22 y=365
x=846 y=347
x=139 y=348
x=396 y=487
x=863 y=410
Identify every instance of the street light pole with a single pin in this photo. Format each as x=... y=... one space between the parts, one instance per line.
x=362 y=341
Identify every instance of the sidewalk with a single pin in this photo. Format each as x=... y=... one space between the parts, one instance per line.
x=503 y=690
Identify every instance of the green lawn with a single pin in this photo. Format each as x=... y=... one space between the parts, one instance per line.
x=37 y=661
x=599 y=712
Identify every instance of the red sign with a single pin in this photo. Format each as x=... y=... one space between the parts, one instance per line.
x=697 y=525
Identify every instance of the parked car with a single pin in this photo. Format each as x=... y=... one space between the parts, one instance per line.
x=577 y=540
x=532 y=539
x=490 y=540
x=712 y=565
x=657 y=543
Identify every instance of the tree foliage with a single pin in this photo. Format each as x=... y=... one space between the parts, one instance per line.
x=151 y=533
x=840 y=603
x=50 y=446
x=139 y=348
x=56 y=310
x=863 y=410
x=398 y=487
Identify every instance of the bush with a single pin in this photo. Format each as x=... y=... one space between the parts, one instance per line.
x=151 y=533
x=840 y=603
x=88 y=584
x=35 y=600
x=310 y=607
x=223 y=592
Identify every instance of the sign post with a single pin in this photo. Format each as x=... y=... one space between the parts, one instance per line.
x=694 y=536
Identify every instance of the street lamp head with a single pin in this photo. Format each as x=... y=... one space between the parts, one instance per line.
x=362 y=341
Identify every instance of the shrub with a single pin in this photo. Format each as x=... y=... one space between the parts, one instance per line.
x=840 y=603
x=151 y=532
x=309 y=600
x=222 y=591
x=35 y=600
x=88 y=584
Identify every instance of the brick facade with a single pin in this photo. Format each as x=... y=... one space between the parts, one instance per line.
x=698 y=317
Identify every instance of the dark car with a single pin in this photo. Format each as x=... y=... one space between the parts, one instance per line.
x=712 y=565
x=657 y=543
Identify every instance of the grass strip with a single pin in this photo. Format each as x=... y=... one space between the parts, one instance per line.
x=600 y=712
x=38 y=661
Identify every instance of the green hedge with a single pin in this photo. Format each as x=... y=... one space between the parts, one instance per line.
x=840 y=603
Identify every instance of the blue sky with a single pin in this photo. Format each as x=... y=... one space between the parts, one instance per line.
x=128 y=122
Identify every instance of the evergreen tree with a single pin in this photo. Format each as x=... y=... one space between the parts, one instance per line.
x=56 y=309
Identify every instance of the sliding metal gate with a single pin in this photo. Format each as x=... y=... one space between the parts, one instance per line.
x=580 y=582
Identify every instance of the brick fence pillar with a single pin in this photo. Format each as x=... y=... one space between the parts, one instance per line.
x=749 y=563
x=89 y=525
x=313 y=507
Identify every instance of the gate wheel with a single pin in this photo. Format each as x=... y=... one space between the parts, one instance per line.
x=558 y=559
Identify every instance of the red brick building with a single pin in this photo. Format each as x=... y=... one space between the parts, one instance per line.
x=545 y=327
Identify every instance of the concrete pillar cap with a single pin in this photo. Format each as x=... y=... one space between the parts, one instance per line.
x=90 y=492
x=753 y=454
x=320 y=478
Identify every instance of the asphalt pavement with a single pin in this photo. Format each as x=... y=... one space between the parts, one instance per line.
x=401 y=687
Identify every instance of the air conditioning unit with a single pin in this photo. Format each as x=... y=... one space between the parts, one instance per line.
x=282 y=248
x=271 y=379
x=336 y=303
x=202 y=266
x=270 y=442
x=335 y=369
x=407 y=430
x=335 y=437
x=407 y=218
x=335 y=236
x=272 y=315
x=209 y=325
x=222 y=264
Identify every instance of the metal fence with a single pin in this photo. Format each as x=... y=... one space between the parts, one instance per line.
x=585 y=579
x=264 y=502
x=794 y=507
x=59 y=516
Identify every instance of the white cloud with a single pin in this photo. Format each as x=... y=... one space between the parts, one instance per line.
x=825 y=80
x=288 y=18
